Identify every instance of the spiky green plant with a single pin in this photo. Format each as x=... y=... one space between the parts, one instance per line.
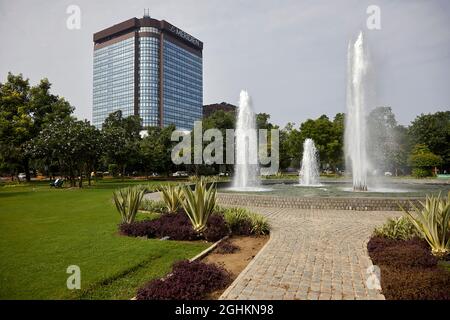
x=128 y=201
x=199 y=204
x=433 y=222
x=236 y=216
x=205 y=179
x=153 y=206
x=172 y=196
x=260 y=225
x=397 y=228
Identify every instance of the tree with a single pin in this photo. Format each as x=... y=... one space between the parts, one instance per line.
x=399 y=155
x=423 y=160
x=290 y=146
x=327 y=136
x=74 y=145
x=262 y=121
x=433 y=130
x=155 y=149
x=388 y=146
x=24 y=111
x=336 y=144
x=221 y=120
x=122 y=138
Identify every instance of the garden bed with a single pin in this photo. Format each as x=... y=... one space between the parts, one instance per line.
x=235 y=262
x=408 y=269
x=208 y=277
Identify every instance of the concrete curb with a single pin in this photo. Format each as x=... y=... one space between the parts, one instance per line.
x=241 y=275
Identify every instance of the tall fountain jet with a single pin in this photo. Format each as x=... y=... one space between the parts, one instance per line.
x=356 y=125
x=309 y=172
x=247 y=174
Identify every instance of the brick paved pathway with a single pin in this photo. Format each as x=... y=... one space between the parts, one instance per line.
x=312 y=254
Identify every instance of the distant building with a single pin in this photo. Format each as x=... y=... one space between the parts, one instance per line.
x=211 y=108
x=149 y=68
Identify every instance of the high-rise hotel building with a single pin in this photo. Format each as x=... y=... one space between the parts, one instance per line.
x=149 y=68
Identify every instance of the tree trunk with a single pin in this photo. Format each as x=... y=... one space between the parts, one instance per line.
x=72 y=177
x=26 y=165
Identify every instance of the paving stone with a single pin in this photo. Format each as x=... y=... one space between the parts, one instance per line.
x=311 y=254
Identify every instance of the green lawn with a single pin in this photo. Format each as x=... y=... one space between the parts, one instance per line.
x=43 y=231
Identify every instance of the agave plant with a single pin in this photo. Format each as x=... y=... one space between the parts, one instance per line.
x=172 y=196
x=199 y=204
x=398 y=228
x=433 y=222
x=128 y=201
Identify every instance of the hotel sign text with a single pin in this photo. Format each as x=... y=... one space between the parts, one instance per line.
x=184 y=35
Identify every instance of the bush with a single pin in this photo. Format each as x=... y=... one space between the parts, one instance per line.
x=113 y=169
x=226 y=247
x=238 y=221
x=176 y=226
x=408 y=270
x=128 y=201
x=245 y=223
x=153 y=206
x=422 y=172
x=260 y=225
x=432 y=221
x=415 y=284
x=216 y=228
x=423 y=160
x=150 y=188
x=188 y=281
x=145 y=228
x=398 y=229
x=413 y=253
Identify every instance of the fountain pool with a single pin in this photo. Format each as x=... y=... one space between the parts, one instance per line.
x=344 y=188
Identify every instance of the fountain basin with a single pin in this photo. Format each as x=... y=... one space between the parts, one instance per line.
x=332 y=195
x=341 y=188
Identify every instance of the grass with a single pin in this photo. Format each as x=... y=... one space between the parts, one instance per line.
x=43 y=231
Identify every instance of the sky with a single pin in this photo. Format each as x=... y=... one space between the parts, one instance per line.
x=289 y=55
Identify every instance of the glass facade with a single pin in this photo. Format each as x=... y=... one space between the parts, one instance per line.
x=115 y=71
x=113 y=85
x=183 y=87
x=149 y=80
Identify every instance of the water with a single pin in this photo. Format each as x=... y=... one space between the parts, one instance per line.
x=247 y=172
x=355 y=126
x=309 y=172
x=343 y=188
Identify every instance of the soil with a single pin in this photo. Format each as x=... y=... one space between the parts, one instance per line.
x=236 y=262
